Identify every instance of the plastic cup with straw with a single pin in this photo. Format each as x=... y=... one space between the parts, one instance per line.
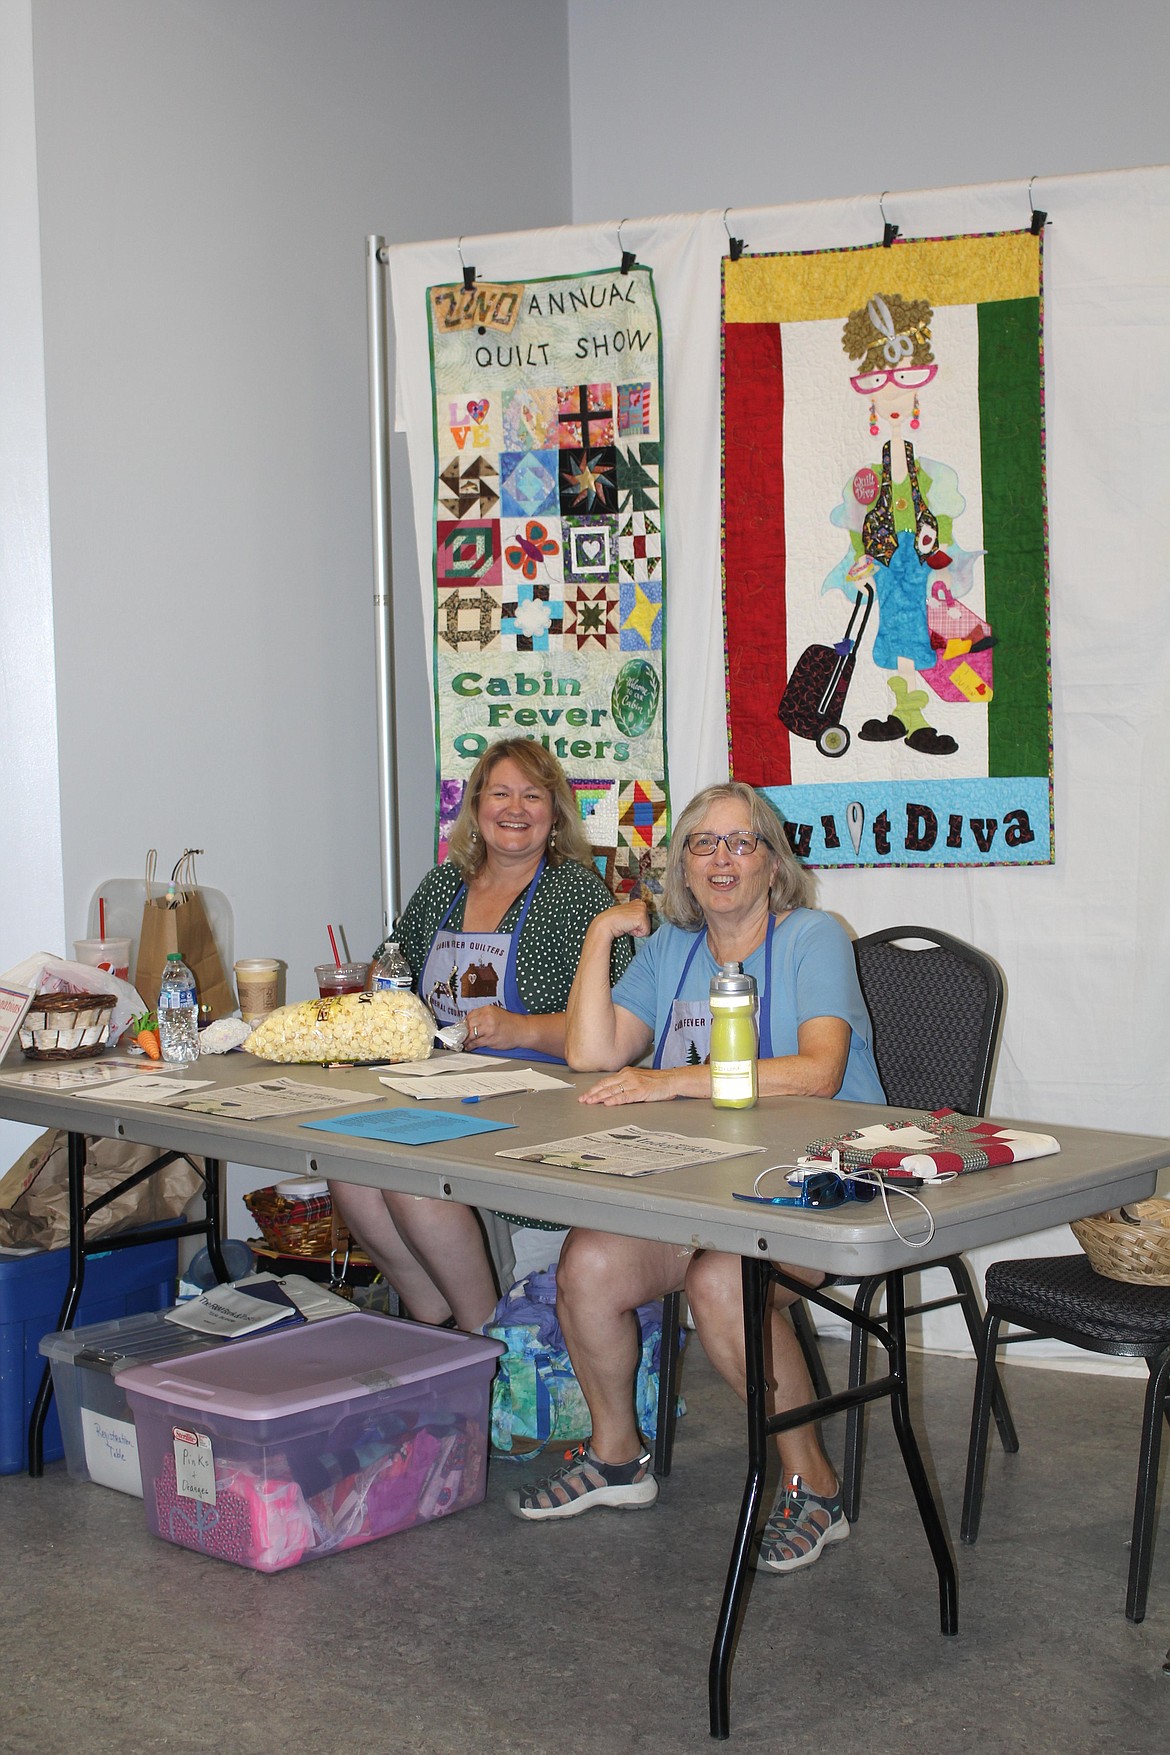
x=338 y=977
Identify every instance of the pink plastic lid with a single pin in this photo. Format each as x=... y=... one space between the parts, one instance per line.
x=309 y=1366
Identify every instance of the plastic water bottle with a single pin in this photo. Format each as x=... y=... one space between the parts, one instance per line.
x=392 y=970
x=734 y=1081
x=178 y=1013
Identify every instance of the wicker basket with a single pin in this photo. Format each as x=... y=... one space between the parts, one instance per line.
x=293 y=1227
x=66 y=1026
x=1132 y=1244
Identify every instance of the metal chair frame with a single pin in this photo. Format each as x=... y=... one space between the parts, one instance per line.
x=1157 y=1402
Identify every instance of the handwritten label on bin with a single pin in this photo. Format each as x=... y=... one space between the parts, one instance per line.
x=194 y=1465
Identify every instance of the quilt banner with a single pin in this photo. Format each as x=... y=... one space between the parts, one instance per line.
x=550 y=569
x=884 y=549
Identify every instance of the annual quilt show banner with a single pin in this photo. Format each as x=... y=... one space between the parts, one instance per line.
x=885 y=582
x=549 y=557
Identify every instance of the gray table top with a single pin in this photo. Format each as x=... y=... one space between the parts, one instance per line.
x=1093 y=1170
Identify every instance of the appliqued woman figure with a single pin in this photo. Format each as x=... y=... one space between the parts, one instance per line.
x=899 y=511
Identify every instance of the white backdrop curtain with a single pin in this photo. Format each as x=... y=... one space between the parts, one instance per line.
x=1083 y=943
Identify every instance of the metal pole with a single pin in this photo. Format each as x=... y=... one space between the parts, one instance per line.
x=383 y=575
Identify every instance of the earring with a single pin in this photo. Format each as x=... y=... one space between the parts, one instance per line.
x=552 y=840
x=474 y=836
x=873 y=420
x=914 y=420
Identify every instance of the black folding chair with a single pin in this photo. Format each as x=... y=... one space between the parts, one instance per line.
x=936 y=1005
x=1062 y=1297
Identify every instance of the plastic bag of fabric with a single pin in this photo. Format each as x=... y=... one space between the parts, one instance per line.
x=536 y=1399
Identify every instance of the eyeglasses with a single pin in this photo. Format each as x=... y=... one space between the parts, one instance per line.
x=905 y=377
x=824 y=1188
x=739 y=843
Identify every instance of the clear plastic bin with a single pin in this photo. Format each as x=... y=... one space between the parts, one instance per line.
x=97 y=1426
x=301 y=1443
x=117 y=1283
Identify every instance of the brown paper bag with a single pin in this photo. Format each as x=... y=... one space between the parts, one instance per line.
x=177 y=921
x=34 y=1195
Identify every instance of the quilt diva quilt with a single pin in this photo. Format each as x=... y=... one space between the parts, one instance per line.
x=884 y=549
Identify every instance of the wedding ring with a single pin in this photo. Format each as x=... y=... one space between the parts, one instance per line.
x=475 y=1029
x=621 y=1087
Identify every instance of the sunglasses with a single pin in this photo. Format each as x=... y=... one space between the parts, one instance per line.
x=823 y=1189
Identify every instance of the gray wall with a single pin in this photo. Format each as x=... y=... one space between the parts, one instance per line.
x=208 y=172
x=761 y=102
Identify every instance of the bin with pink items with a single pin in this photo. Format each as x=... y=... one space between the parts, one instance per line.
x=301 y=1443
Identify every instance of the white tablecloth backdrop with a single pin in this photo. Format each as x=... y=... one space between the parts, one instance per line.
x=1083 y=943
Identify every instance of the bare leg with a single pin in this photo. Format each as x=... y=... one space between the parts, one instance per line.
x=446 y=1240
x=714 y=1292
x=601 y=1280
x=435 y=1261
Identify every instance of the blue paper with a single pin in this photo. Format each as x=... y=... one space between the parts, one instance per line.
x=407 y=1127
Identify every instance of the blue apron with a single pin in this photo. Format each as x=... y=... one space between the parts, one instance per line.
x=689 y=1020
x=465 y=970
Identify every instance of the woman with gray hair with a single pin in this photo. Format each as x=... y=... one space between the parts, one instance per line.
x=733 y=892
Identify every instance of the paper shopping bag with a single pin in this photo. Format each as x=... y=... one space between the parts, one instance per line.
x=176 y=920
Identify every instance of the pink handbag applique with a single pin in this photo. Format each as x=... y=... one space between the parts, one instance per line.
x=963 y=642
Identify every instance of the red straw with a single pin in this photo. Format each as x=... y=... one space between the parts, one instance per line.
x=101 y=917
x=333 y=942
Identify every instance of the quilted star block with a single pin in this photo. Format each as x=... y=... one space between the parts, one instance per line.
x=643 y=817
x=640 y=616
x=588 y=480
x=591 y=616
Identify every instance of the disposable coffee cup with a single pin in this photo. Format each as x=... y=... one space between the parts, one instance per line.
x=111 y=954
x=334 y=978
x=257 y=979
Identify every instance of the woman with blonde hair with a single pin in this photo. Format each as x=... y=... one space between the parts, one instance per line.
x=492 y=935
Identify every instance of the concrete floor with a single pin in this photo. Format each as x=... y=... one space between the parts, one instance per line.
x=483 y=1636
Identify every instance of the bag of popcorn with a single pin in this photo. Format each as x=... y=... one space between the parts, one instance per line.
x=391 y=1025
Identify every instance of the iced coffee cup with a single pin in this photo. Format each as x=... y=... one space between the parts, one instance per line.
x=257 y=981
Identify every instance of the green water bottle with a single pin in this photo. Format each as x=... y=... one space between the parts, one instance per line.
x=734 y=1083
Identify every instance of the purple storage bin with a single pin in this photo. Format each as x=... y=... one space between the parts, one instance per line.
x=301 y=1443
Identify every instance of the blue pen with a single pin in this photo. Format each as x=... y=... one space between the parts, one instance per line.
x=488 y=1095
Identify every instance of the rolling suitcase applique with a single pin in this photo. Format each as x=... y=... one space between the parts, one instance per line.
x=814 y=696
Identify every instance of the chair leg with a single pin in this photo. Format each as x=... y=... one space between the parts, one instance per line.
x=1142 y=1545
x=977 y=1444
x=806 y=1334
x=867 y=1291
x=668 y=1359
x=968 y=1300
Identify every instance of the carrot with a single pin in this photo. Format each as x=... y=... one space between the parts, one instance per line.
x=144 y=1031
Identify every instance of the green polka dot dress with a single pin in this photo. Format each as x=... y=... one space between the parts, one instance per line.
x=567 y=898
